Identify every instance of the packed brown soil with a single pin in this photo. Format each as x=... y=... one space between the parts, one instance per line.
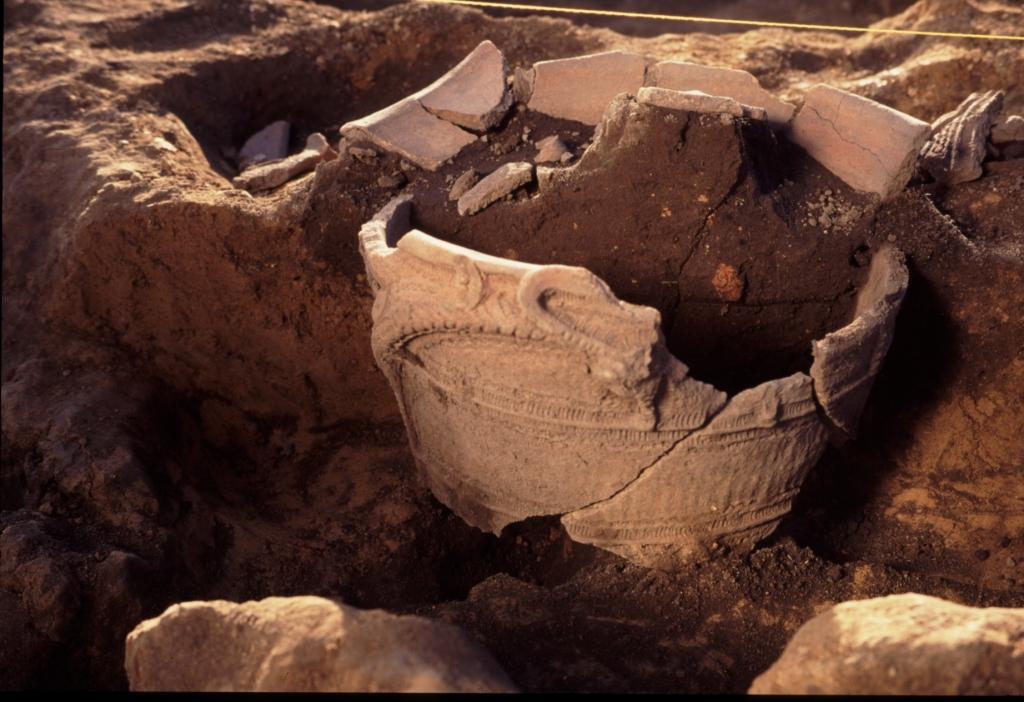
x=190 y=405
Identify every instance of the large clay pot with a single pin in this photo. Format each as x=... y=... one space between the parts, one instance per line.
x=532 y=390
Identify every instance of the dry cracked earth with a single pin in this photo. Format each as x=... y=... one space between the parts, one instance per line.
x=191 y=409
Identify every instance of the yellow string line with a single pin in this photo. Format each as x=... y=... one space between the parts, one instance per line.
x=714 y=20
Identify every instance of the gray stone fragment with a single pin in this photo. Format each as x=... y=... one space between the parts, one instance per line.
x=522 y=85
x=905 y=644
x=739 y=85
x=406 y=128
x=504 y=181
x=271 y=174
x=550 y=150
x=847 y=361
x=474 y=94
x=959 y=139
x=873 y=148
x=1008 y=129
x=303 y=644
x=268 y=144
x=580 y=88
x=463 y=183
x=697 y=101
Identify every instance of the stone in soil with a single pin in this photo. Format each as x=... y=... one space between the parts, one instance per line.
x=505 y=180
x=551 y=150
x=873 y=148
x=268 y=144
x=269 y=175
x=463 y=183
x=906 y=644
x=1008 y=129
x=303 y=644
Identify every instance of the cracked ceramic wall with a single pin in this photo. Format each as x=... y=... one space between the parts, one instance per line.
x=532 y=390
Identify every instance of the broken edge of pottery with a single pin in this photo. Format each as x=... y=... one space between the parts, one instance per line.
x=871 y=147
x=847 y=361
x=527 y=390
x=733 y=83
x=427 y=127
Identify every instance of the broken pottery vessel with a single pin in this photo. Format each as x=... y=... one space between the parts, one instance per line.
x=532 y=390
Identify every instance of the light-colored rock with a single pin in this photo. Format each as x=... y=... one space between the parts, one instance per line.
x=728 y=82
x=697 y=101
x=506 y=179
x=551 y=150
x=704 y=489
x=873 y=148
x=407 y=129
x=475 y=93
x=959 y=140
x=268 y=144
x=1008 y=129
x=303 y=644
x=902 y=645
x=580 y=88
x=463 y=183
x=271 y=174
x=847 y=361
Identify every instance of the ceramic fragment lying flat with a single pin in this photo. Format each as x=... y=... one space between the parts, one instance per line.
x=1008 y=129
x=475 y=93
x=580 y=88
x=274 y=173
x=268 y=144
x=697 y=101
x=506 y=179
x=406 y=128
x=847 y=361
x=873 y=148
x=959 y=139
x=737 y=476
x=727 y=82
x=551 y=150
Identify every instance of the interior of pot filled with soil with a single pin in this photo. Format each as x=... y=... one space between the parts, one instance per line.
x=748 y=248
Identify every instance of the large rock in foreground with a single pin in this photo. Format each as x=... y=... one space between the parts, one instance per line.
x=902 y=645
x=304 y=644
